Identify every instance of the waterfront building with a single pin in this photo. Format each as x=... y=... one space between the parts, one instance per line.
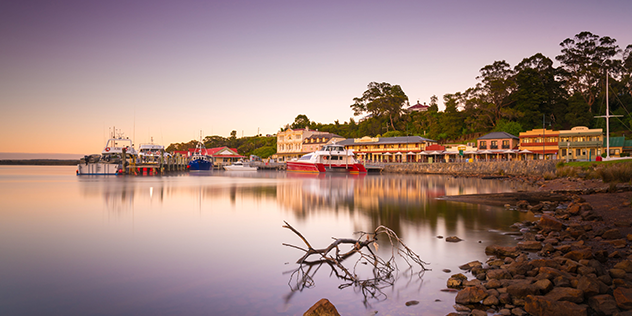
x=317 y=141
x=543 y=143
x=582 y=143
x=291 y=142
x=388 y=149
x=221 y=155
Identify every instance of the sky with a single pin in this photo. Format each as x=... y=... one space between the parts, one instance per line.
x=71 y=71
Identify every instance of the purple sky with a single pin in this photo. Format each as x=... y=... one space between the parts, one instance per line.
x=70 y=70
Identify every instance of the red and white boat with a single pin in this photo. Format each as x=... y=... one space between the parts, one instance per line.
x=331 y=158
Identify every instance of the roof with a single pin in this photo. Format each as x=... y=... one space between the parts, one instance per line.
x=498 y=135
x=419 y=106
x=326 y=136
x=388 y=140
x=615 y=141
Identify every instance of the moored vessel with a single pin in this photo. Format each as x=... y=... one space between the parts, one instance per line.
x=199 y=161
x=116 y=155
x=240 y=165
x=331 y=158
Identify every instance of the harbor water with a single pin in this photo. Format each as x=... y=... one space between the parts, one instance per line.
x=211 y=243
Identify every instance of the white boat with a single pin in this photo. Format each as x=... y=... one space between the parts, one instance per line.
x=118 y=152
x=151 y=153
x=330 y=158
x=240 y=166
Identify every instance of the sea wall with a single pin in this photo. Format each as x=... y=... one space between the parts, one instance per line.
x=492 y=168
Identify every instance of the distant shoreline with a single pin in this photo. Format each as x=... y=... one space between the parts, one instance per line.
x=39 y=162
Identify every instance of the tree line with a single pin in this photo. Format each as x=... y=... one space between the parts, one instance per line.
x=514 y=99
x=262 y=146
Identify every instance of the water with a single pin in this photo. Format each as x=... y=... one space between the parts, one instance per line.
x=211 y=243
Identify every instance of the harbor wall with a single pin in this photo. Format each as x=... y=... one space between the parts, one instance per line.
x=491 y=168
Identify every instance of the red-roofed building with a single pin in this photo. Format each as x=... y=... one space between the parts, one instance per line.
x=221 y=155
x=418 y=107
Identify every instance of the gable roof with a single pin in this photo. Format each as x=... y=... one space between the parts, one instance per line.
x=498 y=135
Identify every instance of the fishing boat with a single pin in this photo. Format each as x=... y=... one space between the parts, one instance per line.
x=240 y=166
x=116 y=155
x=331 y=158
x=151 y=153
x=199 y=161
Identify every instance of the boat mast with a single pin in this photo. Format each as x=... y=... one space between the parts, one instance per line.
x=608 y=116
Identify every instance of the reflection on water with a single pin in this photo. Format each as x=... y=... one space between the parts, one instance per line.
x=211 y=243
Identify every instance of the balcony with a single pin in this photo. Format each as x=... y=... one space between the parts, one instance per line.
x=594 y=143
x=493 y=147
x=482 y=147
x=505 y=147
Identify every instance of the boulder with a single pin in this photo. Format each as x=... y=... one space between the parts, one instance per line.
x=617 y=273
x=322 y=308
x=544 y=285
x=529 y=245
x=603 y=304
x=523 y=289
x=519 y=268
x=471 y=295
x=576 y=255
x=453 y=239
x=623 y=297
x=625 y=265
x=498 y=274
x=565 y=294
x=491 y=300
x=591 y=286
x=612 y=234
x=470 y=265
x=548 y=222
x=539 y=306
x=502 y=252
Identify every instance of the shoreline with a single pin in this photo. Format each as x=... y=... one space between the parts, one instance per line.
x=39 y=162
x=575 y=259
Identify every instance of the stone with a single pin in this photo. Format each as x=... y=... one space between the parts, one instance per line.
x=538 y=263
x=618 y=243
x=518 y=311
x=491 y=300
x=591 y=286
x=470 y=265
x=548 y=273
x=478 y=312
x=493 y=284
x=461 y=308
x=498 y=274
x=603 y=304
x=455 y=283
x=565 y=294
x=529 y=245
x=504 y=298
x=522 y=289
x=544 y=285
x=473 y=282
x=625 y=265
x=623 y=297
x=471 y=295
x=617 y=273
x=613 y=233
x=502 y=252
x=322 y=308
x=411 y=303
x=539 y=306
x=453 y=239
x=548 y=222
x=576 y=255
x=519 y=268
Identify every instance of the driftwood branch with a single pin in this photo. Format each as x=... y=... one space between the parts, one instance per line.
x=383 y=271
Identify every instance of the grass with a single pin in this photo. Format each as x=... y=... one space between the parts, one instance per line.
x=608 y=171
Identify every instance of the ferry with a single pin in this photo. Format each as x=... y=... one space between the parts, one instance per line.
x=331 y=158
x=118 y=152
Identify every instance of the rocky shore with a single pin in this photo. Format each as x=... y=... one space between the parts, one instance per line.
x=575 y=260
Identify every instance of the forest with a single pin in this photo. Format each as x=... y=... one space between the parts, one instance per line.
x=532 y=94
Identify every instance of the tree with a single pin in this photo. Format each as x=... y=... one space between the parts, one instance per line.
x=301 y=121
x=381 y=99
x=584 y=59
x=497 y=83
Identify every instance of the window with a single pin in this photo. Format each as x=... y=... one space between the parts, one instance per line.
x=494 y=144
x=483 y=144
x=578 y=152
x=505 y=144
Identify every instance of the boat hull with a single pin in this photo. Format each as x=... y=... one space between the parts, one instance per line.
x=199 y=165
x=307 y=167
x=238 y=168
x=98 y=169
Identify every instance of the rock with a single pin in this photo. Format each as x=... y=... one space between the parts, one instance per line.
x=591 y=286
x=493 y=284
x=522 y=289
x=544 y=285
x=411 y=303
x=538 y=263
x=617 y=273
x=625 y=265
x=498 y=274
x=623 y=297
x=518 y=311
x=548 y=222
x=322 y=308
x=539 y=306
x=612 y=234
x=461 y=308
x=577 y=255
x=447 y=270
x=491 y=300
x=478 y=312
x=565 y=294
x=618 y=243
x=603 y=304
x=453 y=239
x=470 y=295
x=470 y=265
x=529 y=245
x=502 y=252
x=522 y=205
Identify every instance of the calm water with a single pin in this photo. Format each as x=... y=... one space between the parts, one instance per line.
x=211 y=243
